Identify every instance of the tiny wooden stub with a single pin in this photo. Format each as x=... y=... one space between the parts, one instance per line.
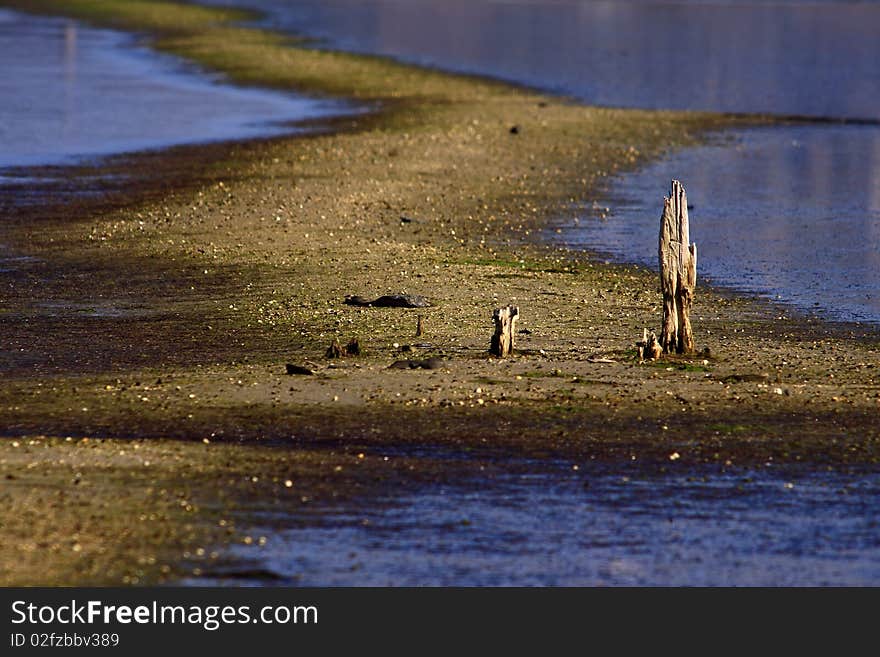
x=678 y=273
x=420 y=327
x=336 y=350
x=505 y=330
x=649 y=347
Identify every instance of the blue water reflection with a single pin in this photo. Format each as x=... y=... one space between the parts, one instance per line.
x=617 y=526
x=70 y=92
x=794 y=57
x=791 y=213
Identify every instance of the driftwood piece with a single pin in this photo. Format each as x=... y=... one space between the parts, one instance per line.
x=505 y=330
x=678 y=273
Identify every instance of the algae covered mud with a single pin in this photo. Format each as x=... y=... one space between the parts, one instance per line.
x=151 y=432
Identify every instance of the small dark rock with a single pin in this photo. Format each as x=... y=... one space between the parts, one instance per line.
x=433 y=363
x=389 y=301
x=298 y=369
x=746 y=378
x=514 y=130
x=406 y=220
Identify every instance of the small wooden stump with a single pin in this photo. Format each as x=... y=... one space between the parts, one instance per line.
x=420 y=328
x=649 y=348
x=678 y=273
x=505 y=330
x=336 y=350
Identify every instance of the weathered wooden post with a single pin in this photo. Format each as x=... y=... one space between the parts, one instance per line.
x=505 y=329
x=678 y=273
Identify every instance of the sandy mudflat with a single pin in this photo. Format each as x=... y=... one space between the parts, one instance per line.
x=146 y=408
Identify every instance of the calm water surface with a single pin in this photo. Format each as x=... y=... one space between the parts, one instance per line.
x=778 y=211
x=71 y=93
x=600 y=525
x=780 y=57
x=817 y=245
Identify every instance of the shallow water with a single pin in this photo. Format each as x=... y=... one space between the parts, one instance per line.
x=598 y=525
x=71 y=93
x=780 y=57
x=790 y=213
x=775 y=208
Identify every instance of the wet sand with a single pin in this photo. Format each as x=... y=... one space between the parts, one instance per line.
x=156 y=319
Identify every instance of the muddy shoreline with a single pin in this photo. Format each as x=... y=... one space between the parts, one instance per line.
x=145 y=336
